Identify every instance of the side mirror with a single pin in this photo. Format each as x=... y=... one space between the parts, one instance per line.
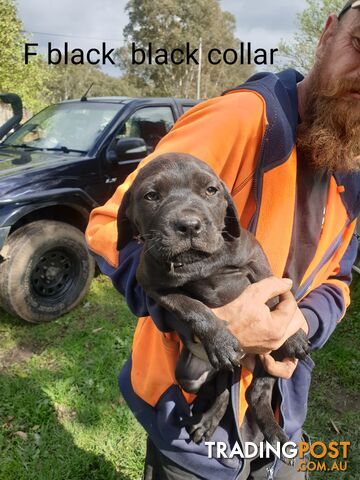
x=128 y=148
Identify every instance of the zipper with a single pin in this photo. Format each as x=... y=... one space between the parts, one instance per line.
x=254 y=220
x=242 y=185
x=252 y=228
x=256 y=186
x=234 y=404
x=270 y=471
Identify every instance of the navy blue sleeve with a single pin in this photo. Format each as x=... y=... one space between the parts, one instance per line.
x=124 y=280
x=324 y=306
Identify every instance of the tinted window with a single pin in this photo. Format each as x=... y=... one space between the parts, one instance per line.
x=149 y=123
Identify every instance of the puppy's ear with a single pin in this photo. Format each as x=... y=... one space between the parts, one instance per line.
x=124 y=225
x=232 y=226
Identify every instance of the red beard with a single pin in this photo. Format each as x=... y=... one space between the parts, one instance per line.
x=329 y=133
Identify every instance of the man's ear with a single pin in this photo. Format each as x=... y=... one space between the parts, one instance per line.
x=329 y=31
x=232 y=226
x=124 y=224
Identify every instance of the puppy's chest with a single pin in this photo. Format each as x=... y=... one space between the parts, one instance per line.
x=219 y=288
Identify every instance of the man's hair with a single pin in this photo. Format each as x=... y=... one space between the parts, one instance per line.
x=347 y=6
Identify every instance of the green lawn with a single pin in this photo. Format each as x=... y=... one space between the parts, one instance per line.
x=61 y=417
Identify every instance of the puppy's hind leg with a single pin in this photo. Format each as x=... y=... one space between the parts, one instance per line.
x=192 y=372
x=258 y=396
x=205 y=419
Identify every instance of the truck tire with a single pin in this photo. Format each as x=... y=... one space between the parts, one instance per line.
x=47 y=271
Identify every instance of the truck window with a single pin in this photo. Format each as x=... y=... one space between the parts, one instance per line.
x=75 y=125
x=148 y=123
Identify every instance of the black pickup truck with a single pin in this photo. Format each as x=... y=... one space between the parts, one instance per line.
x=54 y=169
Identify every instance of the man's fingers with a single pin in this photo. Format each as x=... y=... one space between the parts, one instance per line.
x=283 y=369
x=287 y=307
x=271 y=287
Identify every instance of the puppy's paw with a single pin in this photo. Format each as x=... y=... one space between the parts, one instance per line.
x=223 y=350
x=201 y=427
x=296 y=346
x=276 y=438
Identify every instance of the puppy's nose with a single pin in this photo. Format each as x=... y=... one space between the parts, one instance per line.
x=188 y=226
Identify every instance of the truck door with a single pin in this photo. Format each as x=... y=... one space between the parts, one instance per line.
x=150 y=123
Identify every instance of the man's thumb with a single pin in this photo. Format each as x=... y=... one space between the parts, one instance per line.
x=273 y=286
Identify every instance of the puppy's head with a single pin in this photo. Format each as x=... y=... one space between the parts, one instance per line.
x=180 y=208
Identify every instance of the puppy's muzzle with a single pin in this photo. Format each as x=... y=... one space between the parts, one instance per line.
x=187 y=226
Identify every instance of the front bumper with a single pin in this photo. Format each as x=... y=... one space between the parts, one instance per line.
x=4 y=233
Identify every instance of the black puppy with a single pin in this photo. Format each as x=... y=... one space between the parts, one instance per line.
x=196 y=256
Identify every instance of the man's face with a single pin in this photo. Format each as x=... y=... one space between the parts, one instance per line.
x=339 y=58
x=330 y=126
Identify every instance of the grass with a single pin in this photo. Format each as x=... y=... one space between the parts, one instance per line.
x=61 y=416
x=58 y=386
x=335 y=390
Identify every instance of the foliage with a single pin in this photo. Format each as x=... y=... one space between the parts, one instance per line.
x=300 y=52
x=39 y=84
x=171 y=24
x=72 y=81
x=28 y=81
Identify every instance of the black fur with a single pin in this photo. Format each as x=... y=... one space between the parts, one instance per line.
x=196 y=256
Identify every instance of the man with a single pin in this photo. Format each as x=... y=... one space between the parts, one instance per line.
x=289 y=150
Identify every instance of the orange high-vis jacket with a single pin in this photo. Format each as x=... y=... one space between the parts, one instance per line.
x=248 y=138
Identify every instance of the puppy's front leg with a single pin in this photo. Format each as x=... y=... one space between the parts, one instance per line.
x=222 y=348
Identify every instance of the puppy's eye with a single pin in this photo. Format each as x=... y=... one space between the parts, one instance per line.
x=152 y=196
x=210 y=191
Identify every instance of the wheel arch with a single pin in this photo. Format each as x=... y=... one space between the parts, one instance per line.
x=74 y=215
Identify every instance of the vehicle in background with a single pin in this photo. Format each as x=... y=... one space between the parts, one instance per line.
x=54 y=169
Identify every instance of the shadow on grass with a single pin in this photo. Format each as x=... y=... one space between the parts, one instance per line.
x=33 y=443
x=58 y=384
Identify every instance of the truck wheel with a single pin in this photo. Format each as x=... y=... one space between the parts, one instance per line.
x=47 y=271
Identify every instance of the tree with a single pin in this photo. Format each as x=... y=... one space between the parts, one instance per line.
x=300 y=52
x=72 y=81
x=28 y=81
x=172 y=24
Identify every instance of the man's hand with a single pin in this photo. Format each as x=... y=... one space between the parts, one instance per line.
x=286 y=367
x=283 y=369
x=257 y=328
